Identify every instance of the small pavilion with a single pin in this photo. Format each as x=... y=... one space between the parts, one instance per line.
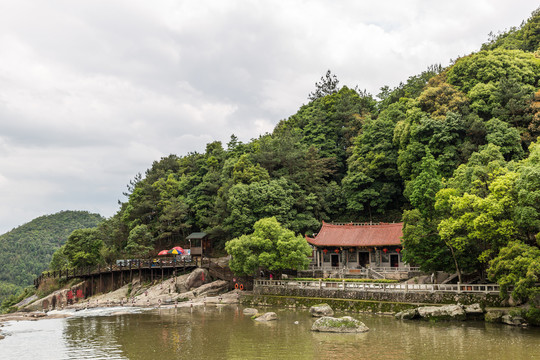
x=199 y=244
x=358 y=246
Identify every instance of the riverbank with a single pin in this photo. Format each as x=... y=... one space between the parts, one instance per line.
x=190 y=290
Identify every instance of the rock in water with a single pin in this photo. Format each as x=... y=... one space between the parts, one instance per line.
x=269 y=316
x=197 y=278
x=407 y=314
x=250 y=311
x=344 y=324
x=447 y=312
x=473 y=309
x=321 y=310
x=494 y=316
x=513 y=320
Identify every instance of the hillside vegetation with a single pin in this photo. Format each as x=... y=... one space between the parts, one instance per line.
x=27 y=250
x=452 y=152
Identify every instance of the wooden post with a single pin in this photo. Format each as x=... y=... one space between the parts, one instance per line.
x=161 y=266
x=100 y=288
x=121 y=275
x=112 y=277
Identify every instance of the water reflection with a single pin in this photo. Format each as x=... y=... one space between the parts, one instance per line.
x=225 y=333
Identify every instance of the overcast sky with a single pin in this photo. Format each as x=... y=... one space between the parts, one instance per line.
x=92 y=92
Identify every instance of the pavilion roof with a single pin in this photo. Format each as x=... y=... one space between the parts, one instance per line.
x=196 y=235
x=351 y=235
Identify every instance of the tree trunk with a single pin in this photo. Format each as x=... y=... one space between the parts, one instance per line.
x=456 y=263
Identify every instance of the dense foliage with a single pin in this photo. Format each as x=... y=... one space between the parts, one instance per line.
x=452 y=152
x=270 y=247
x=27 y=250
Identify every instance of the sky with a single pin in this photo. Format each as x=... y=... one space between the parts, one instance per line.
x=93 y=91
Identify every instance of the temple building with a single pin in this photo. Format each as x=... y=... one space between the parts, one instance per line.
x=358 y=246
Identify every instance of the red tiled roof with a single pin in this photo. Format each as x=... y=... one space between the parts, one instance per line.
x=358 y=235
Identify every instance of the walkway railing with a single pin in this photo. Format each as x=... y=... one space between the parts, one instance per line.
x=380 y=287
x=119 y=266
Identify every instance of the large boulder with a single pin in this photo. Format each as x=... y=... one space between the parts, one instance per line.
x=407 y=314
x=321 y=310
x=197 y=278
x=211 y=289
x=446 y=312
x=250 y=311
x=344 y=324
x=269 y=316
x=474 y=311
x=493 y=316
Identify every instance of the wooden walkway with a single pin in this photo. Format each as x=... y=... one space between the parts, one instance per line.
x=123 y=271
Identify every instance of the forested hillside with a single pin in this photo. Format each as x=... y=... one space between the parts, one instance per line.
x=452 y=152
x=27 y=250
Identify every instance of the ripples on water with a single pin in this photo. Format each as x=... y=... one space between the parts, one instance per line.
x=226 y=333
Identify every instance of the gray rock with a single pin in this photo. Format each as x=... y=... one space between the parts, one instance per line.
x=513 y=320
x=269 y=316
x=211 y=289
x=321 y=310
x=473 y=309
x=447 y=312
x=407 y=314
x=344 y=324
x=493 y=316
x=250 y=311
x=197 y=278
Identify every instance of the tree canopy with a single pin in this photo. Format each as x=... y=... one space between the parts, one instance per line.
x=271 y=247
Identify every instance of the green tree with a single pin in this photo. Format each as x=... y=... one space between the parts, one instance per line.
x=83 y=248
x=372 y=183
x=140 y=241
x=422 y=190
x=422 y=245
x=505 y=137
x=525 y=37
x=479 y=226
x=517 y=266
x=327 y=86
x=270 y=247
x=527 y=211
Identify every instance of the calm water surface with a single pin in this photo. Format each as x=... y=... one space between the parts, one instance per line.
x=225 y=333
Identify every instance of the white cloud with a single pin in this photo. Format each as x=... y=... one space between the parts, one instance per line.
x=91 y=92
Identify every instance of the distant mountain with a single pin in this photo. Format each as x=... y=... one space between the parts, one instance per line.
x=27 y=250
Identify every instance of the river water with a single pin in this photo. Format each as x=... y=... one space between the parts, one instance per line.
x=225 y=333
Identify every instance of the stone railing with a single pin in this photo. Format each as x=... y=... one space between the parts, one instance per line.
x=380 y=287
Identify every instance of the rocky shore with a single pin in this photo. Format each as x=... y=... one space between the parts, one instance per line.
x=190 y=290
